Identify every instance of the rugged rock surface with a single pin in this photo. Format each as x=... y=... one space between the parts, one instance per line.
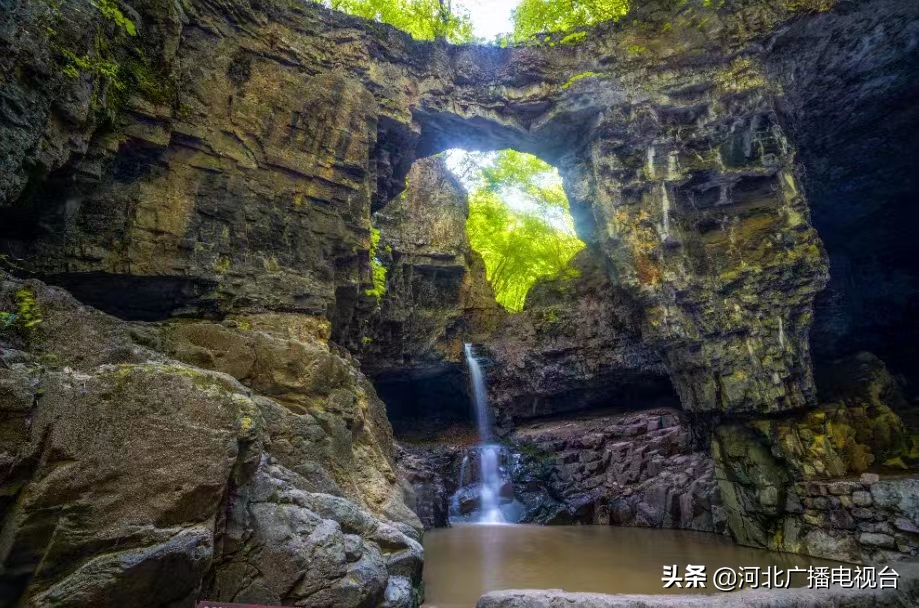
x=575 y=346
x=624 y=469
x=231 y=165
x=429 y=476
x=846 y=104
x=131 y=477
x=682 y=178
x=787 y=482
x=635 y=469
x=436 y=294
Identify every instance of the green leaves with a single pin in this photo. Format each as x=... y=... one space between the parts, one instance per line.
x=377 y=267
x=110 y=11
x=534 y=17
x=520 y=223
x=423 y=19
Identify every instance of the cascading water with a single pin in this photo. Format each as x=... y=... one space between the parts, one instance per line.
x=489 y=512
x=462 y=475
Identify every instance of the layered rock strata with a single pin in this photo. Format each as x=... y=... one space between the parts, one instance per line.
x=576 y=346
x=202 y=192
x=634 y=469
x=436 y=295
x=226 y=162
x=263 y=473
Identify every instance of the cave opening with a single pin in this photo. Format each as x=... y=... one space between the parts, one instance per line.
x=497 y=219
x=428 y=405
x=519 y=220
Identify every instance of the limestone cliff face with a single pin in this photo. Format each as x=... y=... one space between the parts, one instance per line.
x=201 y=200
x=436 y=294
x=230 y=172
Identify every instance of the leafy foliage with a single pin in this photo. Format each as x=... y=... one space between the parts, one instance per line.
x=534 y=17
x=533 y=239
x=110 y=11
x=377 y=267
x=26 y=316
x=423 y=19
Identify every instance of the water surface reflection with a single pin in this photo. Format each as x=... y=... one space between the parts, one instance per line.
x=463 y=562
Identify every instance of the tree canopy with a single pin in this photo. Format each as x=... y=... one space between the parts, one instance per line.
x=519 y=222
x=423 y=19
x=533 y=17
x=446 y=20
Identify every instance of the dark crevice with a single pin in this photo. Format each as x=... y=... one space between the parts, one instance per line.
x=421 y=405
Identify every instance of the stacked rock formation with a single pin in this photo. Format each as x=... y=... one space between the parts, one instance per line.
x=223 y=172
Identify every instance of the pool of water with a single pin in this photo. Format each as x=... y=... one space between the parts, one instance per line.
x=463 y=562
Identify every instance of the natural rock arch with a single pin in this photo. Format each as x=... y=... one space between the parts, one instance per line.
x=683 y=179
x=249 y=187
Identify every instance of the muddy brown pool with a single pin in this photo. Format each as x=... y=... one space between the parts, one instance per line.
x=463 y=562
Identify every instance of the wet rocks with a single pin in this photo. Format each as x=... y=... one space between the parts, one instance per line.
x=428 y=480
x=635 y=469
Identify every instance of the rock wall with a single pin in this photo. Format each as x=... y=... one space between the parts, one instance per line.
x=576 y=346
x=792 y=483
x=436 y=294
x=226 y=165
x=200 y=200
x=264 y=474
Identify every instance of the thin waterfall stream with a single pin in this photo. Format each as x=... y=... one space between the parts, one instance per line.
x=492 y=480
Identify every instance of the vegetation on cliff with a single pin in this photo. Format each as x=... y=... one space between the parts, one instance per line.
x=423 y=19
x=519 y=222
x=444 y=20
x=539 y=16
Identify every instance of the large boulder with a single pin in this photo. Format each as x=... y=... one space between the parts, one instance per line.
x=130 y=476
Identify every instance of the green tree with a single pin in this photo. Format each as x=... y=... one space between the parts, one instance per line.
x=534 y=17
x=530 y=241
x=423 y=19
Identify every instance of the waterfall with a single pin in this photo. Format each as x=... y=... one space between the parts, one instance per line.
x=491 y=477
x=462 y=474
